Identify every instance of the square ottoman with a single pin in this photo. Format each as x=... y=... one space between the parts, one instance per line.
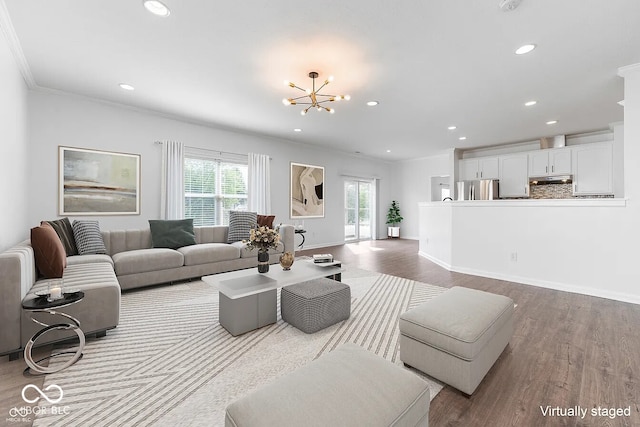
x=315 y=304
x=457 y=336
x=349 y=387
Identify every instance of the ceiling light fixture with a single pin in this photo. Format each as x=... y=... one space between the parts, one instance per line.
x=156 y=7
x=126 y=86
x=552 y=122
x=388 y=151
x=314 y=95
x=525 y=49
x=530 y=103
x=372 y=103
x=462 y=138
x=452 y=128
x=297 y=130
x=621 y=103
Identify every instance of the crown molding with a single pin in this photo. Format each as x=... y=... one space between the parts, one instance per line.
x=10 y=35
x=626 y=70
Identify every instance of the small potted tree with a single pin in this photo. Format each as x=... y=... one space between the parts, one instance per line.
x=393 y=220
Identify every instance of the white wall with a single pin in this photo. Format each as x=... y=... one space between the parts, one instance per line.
x=14 y=160
x=412 y=185
x=58 y=119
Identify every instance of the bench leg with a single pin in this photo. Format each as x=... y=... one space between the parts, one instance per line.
x=101 y=334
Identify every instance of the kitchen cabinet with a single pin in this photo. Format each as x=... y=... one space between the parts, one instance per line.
x=593 y=169
x=514 y=180
x=552 y=161
x=479 y=168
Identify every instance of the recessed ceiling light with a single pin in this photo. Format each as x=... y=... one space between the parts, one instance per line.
x=451 y=128
x=156 y=7
x=297 y=130
x=525 y=49
x=621 y=103
x=126 y=86
x=372 y=103
x=552 y=122
x=388 y=151
x=462 y=138
x=530 y=103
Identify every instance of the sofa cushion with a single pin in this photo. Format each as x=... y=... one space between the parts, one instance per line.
x=209 y=252
x=89 y=259
x=65 y=233
x=240 y=225
x=88 y=237
x=172 y=234
x=143 y=260
x=51 y=258
x=266 y=220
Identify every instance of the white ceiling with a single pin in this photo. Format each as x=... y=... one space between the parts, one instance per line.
x=430 y=64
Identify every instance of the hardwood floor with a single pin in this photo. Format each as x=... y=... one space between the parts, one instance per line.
x=567 y=350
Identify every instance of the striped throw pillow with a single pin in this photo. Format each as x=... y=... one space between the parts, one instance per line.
x=64 y=230
x=88 y=237
x=240 y=225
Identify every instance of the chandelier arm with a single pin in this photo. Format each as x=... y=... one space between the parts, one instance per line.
x=299 y=88
x=299 y=97
x=320 y=88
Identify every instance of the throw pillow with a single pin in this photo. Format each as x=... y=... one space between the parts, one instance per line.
x=240 y=225
x=51 y=258
x=88 y=237
x=266 y=220
x=172 y=234
x=65 y=233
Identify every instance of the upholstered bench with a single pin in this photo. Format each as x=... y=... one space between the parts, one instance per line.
x=315 y=304
x=347 y=387
x=457 y=336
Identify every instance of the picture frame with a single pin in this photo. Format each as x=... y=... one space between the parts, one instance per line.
x=306 y=191
x=95 y=182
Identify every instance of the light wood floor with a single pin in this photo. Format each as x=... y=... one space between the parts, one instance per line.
x=567 y=350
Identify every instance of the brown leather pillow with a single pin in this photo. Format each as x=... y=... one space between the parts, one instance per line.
x=266 y=220
x=51 y=258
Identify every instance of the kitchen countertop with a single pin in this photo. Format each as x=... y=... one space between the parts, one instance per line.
x=601 y=202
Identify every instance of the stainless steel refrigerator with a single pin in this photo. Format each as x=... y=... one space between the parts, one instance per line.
x=484 y=189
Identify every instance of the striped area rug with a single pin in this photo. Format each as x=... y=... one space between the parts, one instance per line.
x=170 y=363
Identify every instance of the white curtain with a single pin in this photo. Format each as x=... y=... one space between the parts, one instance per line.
x=172 y=192
x=259 y=191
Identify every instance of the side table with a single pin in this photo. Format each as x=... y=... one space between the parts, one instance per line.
x=42 y=305
x=301 y=232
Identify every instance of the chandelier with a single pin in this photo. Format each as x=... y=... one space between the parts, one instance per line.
x=315 y=98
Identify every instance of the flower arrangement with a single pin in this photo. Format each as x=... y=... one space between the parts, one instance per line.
x=263 y=238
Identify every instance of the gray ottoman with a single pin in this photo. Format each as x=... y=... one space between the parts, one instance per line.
x=347 y=387
x=316 y=304
x=457 y=336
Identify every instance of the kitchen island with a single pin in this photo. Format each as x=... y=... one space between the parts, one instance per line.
x=575 y=245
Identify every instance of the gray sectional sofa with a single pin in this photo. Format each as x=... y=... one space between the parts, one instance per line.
x=130 y=263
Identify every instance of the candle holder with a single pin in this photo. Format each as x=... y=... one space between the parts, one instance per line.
x=55 y=290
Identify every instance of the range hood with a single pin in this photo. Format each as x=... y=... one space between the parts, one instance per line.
x=553 y=142
x=556 y=179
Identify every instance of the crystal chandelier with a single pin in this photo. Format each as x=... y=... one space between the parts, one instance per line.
x=315 y=97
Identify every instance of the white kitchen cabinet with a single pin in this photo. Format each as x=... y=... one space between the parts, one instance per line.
x=514 y=180
x=552 y=161
x=479 y=168
x=593 y=169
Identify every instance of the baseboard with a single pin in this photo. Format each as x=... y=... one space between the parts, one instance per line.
x=322 y=245
x=435 y=260
x=558 y=286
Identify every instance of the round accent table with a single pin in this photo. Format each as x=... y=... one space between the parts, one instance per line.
x=42 y=305
x=301 y=232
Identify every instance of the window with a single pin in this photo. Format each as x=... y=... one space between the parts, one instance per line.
x=213 y=187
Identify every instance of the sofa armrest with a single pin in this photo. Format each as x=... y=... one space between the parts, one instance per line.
x=287 y=237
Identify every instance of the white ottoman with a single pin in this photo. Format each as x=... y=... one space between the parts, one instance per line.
x=348 y=387
x=457 y=336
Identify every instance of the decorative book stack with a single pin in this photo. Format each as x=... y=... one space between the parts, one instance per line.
x=321 y=258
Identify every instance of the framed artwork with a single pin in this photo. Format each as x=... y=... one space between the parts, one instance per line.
x=93 y=182
x=307 y=191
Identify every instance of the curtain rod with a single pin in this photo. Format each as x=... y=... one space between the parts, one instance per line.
x=206 y=149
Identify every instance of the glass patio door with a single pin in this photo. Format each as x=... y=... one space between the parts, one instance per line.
x=358 y=209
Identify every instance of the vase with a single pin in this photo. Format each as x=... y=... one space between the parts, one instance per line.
x=263 y=262
x=286 y=260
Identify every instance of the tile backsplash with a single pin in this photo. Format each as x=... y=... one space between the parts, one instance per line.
x=557 y=191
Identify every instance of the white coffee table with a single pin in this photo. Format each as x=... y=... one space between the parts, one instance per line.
x=248 y=299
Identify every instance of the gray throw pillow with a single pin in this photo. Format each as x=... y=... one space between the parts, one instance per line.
x=88 y=237
x=64 y=230
x=172 y=234
x=240 y=225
